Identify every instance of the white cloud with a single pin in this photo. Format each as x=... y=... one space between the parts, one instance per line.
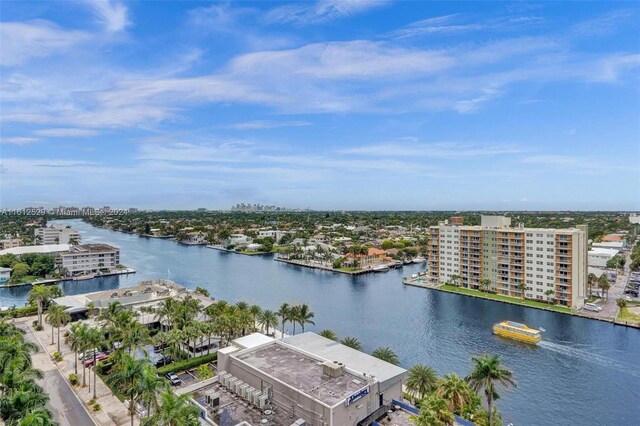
x=18 y=140
x=22 y=41
x=112 y=15
x=410 y=147
x=268 y=124
x=321 y=11
x=68 y=132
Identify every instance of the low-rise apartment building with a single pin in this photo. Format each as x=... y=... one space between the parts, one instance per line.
x=536 y=263
x=8 y=243
x=88 y=259
x=57 y=234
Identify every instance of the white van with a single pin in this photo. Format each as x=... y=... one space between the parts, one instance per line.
x=592 y=307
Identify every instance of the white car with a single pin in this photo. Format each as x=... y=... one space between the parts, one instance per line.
x=592 y=307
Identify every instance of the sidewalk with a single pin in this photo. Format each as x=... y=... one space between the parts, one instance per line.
x=112 y=412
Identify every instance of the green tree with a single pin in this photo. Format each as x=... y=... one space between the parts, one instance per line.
x=57 y=316
x=591 y=280
x=352 y=342
x=433 y=412
x=284 y=313
x=41 y=295
x=304 y=315
x=621 y=302
x=38 y=416
x=175 y=411
x=20 y=270
x=604 y=285
x=420 y=381
x=386 y=354
x=454 y=280
x=486 y=374
x=329 y=334
x=268 y=320
x=549 y=293
x=93 y=339
x=456 y=392
x=202 y=291
x=127 y=376
x=484 y=284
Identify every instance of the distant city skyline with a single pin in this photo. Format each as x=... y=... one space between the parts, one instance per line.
x=327 y=105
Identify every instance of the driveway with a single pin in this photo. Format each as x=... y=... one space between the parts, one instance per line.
x=63 y=404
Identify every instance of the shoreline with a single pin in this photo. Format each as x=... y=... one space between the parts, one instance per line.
x=613 y=321
x=53 y=281
x=322 y=268
x=257 y=253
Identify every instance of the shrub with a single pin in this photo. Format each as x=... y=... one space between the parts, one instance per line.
x=621 y=302
x=96 y=407
x=187 y=365
x=104 y=367
x=57 y=356
x=38 y=327
x=25 y=311
x=91 y=401
x=73 y=379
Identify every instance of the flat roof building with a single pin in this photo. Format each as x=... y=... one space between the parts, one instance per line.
x=312 y=378
x=57 y=234
x=88 y=259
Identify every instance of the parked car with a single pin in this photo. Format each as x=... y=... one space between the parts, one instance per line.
x=173 y=379
x=633 y=293
x=592 y=307
x=88 y=354
x=166 y=359
x=99 y=357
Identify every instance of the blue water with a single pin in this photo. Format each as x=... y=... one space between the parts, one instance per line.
x=585 y=372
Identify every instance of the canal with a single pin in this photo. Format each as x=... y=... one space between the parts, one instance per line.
x=584 y=372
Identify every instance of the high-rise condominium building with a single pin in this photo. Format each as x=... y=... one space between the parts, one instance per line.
x=543 y=263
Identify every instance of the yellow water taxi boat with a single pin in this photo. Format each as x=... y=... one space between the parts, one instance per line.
x=517 y=331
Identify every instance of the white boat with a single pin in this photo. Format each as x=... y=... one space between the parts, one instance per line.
x=419 y=260
x=381 y=268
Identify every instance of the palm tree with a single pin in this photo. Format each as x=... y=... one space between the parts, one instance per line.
x=75 y=340
x=304 y=315
x=267 y=320
x=57 y=316
x=126 y=377
x=15 y=354
x=420 y=381
x=148 y=391
x=243 y=306
x=352 y=342
x=604 y=285
x=522 y=287
x=329 y=334
x=454 y=279
x=41 y=295
x=255 y=311
x=175 y=411
x=591 y=279
x=93 y=339
x=37 y=417
x=549 y=293
x=284 y=313
x=9 y=330
x=484 y=283
x=386 y=354
x=488 y=372
x=433 y=412
x=20 y=401
x=294 y=316
x=455 y=391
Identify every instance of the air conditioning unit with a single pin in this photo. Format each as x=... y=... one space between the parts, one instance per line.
x=213 y=400
x=225 y=379
x=242 y=390
x=232 y=383
x=299 y=422
x=236 y=387
x=255 y=399
x=262 y=402
x=248 y=393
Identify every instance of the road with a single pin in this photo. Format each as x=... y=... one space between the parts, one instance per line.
x=66 y=409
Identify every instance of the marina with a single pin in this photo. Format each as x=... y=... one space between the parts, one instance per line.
x=435 y=328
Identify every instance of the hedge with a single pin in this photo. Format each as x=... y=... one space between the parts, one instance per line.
x=25 y=311
x=188 y=364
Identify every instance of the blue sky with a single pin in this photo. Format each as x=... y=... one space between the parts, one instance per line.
x=322 y=105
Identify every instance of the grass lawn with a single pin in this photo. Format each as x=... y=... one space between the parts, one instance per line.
x=252 y=253
x=531 y=303
x=348 y=269
x=627 y=315
x=26 y=279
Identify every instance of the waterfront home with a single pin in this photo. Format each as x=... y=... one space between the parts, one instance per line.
x=276 y=234
x=238 y=240
x=5 y=274
x=374 y=257
x=195 y=238
x=88 y=259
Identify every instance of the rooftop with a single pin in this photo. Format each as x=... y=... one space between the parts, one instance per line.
x=91 y=248
x=45 y=248
x=351 y=358
x=302 y=372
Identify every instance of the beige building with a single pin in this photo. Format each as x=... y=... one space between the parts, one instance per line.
x=57 y=234
x=545 y=264
x=8 y=243
x=309 y=379
x=88 y=259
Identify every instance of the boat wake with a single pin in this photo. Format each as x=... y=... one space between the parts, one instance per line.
x=591 y=357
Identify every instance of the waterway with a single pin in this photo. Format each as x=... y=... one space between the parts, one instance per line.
x=585 y=372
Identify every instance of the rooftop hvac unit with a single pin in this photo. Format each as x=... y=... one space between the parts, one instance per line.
x=242 y=390
x=225 y=379
x=237 y=385
x=262 y=402
x=299 y=422
x=221 y=373
x=248 y=394
x=332 y=369
x=255 y=399
x=213 y=400
x=232 y=383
